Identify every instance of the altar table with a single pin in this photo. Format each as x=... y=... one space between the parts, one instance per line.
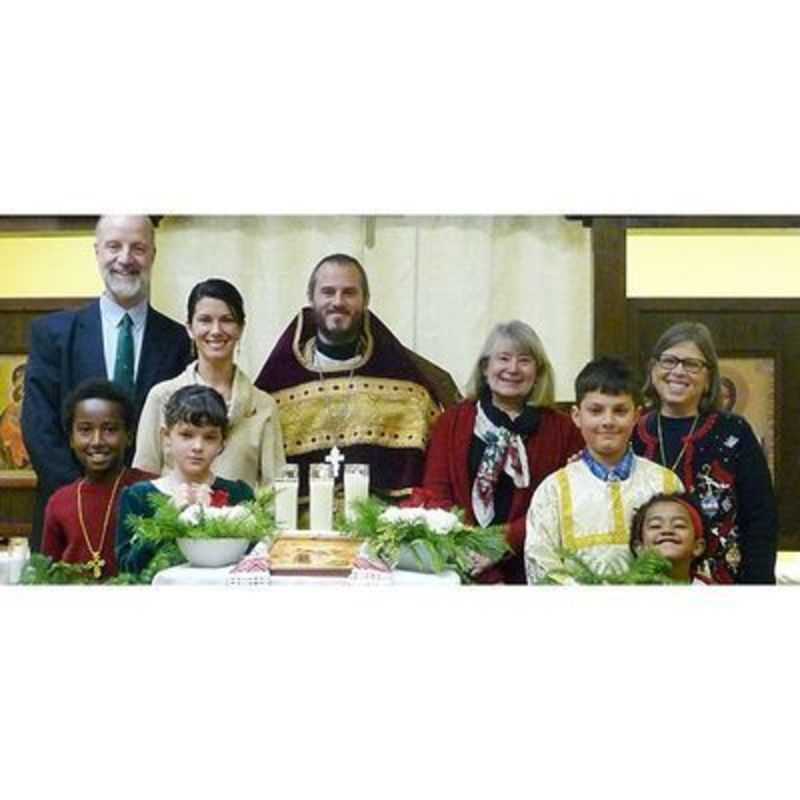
x=184 y=575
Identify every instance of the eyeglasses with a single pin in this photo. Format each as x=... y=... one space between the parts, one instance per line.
x=692 y=365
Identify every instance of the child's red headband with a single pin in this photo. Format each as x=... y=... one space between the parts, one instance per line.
x=694 y=515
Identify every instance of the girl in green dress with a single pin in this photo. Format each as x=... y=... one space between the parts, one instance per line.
x=196 y=423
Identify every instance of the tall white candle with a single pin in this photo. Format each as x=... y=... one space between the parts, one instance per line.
x=321 y=497
x=286 y=505
x=356 y=487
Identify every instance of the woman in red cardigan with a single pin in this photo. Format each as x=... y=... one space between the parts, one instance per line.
x=488 y=454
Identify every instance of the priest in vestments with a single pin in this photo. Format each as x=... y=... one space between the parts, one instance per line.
x=342 y=380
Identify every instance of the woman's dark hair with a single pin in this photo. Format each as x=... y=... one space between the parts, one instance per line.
x=96 y=389
x=197 y=405
x=218 y=289
x=679 y=333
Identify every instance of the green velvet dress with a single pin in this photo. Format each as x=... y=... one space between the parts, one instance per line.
x=135 y=556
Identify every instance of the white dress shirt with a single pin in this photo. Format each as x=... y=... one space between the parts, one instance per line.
x=111 y=315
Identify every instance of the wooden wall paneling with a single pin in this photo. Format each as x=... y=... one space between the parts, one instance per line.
x=18 y=491
x=609 y=255
x=74 y=223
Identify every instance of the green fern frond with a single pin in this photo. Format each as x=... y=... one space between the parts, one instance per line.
x=650 y=568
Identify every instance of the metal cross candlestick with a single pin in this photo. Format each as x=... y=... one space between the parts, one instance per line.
x=335 y=458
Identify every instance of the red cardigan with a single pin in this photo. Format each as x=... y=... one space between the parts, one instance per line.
x=447 y=473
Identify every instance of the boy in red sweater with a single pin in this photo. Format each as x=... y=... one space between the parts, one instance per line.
x=80 y=518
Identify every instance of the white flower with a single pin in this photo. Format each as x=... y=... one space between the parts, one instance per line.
x=232 y=513
x=191 y=515
x=441 y=521
x=438 y=520
x=194 y=514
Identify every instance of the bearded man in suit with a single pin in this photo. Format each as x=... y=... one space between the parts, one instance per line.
x=119 y=336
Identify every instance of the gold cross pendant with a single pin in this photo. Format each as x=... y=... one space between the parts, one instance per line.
x=96 y=564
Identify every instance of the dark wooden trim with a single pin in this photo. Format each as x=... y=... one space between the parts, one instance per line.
x=734 y=221
x=15 y=529
x=29 y=224
x=55 y=224
x=25 y=480
x=733 y=305
x=14 y=304
x=695 y=221
x=608 y=257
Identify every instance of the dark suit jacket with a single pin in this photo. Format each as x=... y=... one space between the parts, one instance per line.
x=66 y=348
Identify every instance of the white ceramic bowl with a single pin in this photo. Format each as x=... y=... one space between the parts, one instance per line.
x=213 y=552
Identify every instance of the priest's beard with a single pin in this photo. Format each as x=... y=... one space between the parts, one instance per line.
x=341 y=333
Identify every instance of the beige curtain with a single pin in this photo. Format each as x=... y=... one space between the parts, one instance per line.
x=440 y=283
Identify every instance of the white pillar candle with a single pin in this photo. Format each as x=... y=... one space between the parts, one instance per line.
x=19 y=554
x=356 y=486
x=286 y=505
x=320 y=491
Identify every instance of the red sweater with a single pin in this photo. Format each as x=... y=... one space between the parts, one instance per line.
x=62 y=538
x=447 y=473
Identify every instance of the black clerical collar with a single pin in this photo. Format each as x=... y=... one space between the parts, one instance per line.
x=339 y=352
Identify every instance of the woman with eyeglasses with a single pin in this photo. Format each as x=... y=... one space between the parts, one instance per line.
x=715 y=454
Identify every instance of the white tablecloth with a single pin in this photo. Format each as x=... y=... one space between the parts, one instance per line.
x=184 y=575
x=787 y=567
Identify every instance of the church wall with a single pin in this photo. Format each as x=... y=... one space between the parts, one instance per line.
x=48 y=265
x=702 y=262
x=440 y=283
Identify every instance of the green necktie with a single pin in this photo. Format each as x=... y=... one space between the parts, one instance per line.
x=123 y=363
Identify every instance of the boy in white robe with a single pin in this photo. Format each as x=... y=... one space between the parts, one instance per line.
x=586 y=507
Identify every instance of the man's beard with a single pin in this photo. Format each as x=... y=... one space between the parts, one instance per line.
x=339 y=335
x=127 y=287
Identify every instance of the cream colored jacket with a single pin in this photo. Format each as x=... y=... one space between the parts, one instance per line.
x=574 y=510
x=254 y=446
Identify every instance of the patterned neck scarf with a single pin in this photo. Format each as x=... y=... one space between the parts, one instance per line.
x=504 y=453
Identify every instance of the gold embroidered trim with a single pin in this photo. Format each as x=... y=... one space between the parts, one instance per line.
x=670 y=482
x=567 y=518
x=573 y=541
x=378 y=411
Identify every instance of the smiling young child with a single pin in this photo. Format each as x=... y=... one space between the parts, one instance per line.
x=195 y=424
x=80 y=518
x=586 y=507
x=673 y=527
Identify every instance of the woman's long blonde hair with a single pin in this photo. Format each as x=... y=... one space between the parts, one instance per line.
x=525 y=339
